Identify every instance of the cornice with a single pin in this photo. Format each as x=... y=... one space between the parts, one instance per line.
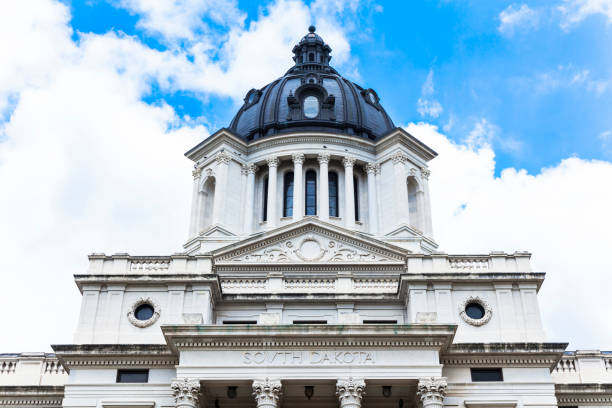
x=437 y=336
x=223 y=135
x=34 y=395
x=504 y=354
x=587 y=394
x=311 y=137
x=469 y=277
x=158 y=279
x=399 y=135
x=115 y=355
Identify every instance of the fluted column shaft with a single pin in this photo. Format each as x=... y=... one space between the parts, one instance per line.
x=431 y=392
x=350 y=391
x=272 y=204
x=267 y=392
x=349 y=194
x=186 y=392
x=223 y=159
x=298 y=189
x=250 y=198
x=194 y=221
x=323 y=186
x=372 y=197
x=401 y=188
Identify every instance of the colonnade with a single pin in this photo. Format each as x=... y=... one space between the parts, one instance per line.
x=401 y=191
x=350 y=391
x=298 y=186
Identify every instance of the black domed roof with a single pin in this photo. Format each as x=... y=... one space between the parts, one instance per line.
x=311 y=96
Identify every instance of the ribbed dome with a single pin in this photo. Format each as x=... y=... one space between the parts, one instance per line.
x=311 y=96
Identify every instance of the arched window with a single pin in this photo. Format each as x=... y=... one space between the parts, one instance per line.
x=311 y=193
x=207 y=197
x=311 y=57
x=288 y=195
x=356 y=197
x=333 y=194
x=264 y=197
x=413 y=208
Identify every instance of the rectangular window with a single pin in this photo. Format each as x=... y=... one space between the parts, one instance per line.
x=380 y=322
x=310 y=322
x=240 y=322
x=487 y=374
x=132 y=376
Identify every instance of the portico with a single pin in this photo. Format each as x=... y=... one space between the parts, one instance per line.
x=325 y=365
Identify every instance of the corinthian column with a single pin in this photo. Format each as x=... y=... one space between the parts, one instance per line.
x=349 y=193
x=350 y=391
x=298 y=190
x=251 y=169
x=427 y=225
x=267 y=392
x=194 y=222
x=371 y=169
x=272 y=165
x=431 y=392
x=323 y=186
x=223 y=159
x=186 y=392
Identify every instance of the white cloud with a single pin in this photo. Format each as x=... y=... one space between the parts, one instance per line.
x=574 y=11
x=514 y=18
x=86 y=165
x=427 y=105
x=568 y=77
x=561 y=215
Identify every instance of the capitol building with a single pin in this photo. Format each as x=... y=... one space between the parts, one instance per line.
x=310 y=278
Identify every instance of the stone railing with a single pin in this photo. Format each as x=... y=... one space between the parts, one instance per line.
x=584 y=366
x=31 y=369
x=494 y=262
x=125 y=264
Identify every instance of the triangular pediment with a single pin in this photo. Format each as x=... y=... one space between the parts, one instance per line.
x=217 y=231
x=405 y=232
x=310 y=241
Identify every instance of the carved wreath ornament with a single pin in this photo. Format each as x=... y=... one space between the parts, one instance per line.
x=480 y=301
x=144 y=323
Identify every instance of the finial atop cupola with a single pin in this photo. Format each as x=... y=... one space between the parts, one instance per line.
x=311 y=54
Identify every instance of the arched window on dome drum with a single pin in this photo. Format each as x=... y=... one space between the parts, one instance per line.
x=207 y=197
x=311 y=57
x=311 y=193
x=356 y=197
x=288 y=195
x=264 y=197
x=413 y=206
x=333 y=194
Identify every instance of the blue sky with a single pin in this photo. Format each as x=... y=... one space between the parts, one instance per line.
x=544 y=90
x=99 y=100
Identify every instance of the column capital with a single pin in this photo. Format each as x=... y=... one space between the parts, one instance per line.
x=425 y=173
x=398 y=157
x=372 y=168
x=267 y=392
x=272 y=161
x=186 y=392
x=350 y=391
x=298 y=158
x=223 y=157
x=323 y=158
x=431 y=391
x=244 y=170
x=196 y=173
x=348 y=161
x=249 y=168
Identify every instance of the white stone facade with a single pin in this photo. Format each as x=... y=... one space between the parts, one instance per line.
x=312 y=301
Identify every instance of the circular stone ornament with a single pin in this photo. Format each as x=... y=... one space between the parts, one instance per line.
x=473 y=307
x=139 y=310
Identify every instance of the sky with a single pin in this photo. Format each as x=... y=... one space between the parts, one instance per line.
x=100 y=99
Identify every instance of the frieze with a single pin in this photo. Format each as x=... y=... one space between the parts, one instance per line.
x=312 y=357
